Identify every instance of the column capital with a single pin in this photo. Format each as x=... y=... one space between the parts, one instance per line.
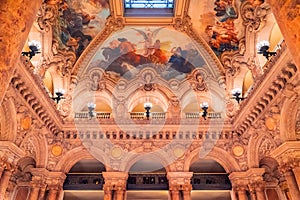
x=10 y=153
x=115 y=181
x=55 y=180
x=180 y=181
x=287 y=155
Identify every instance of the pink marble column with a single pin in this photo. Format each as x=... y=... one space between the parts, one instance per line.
x=241 y=191
x=120 y=194
x=260 y=193
x=292 y=185
x=174 y=195
x=186 y=194
x=34 y=193
x=296 y=170
x=4 y=182
x=52 y=194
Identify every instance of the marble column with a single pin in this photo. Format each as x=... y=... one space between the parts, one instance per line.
x=241 y=192
x=120 y=194
x=53 y=192
x=186 y=194
x=180 y=185
x=42 y=192
x=252 y=192
x=292 y=184
x=34 y=192
x=284 y=190
x=175 y=194
x=107 y=193
x=115 y=185
x=4 y=182
x=260 y=193
x=296 y=170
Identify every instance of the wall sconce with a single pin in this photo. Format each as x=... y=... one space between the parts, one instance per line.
x=236 y=94
x=263 y=47
x=204 y=106
x=91 y=106
x=34 y=47
x=59 y=95
x=147 y=107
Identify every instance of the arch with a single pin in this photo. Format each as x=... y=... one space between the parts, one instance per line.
x=253 y=148
x=69 y=160
x=84 y=96
x=147 y=165
x=92 y=51
x=131 y=159
x=156 y=98
x=224 y=158
x=288 y=117
x=40 y=145
x=8 y=120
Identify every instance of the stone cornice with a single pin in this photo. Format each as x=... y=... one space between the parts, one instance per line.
x=10 y=152
x=279 y=71
x=287 y=149
x=32 y=91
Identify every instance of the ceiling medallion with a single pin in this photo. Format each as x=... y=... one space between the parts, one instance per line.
x=178 y=152
x=56 y=150
x=116 y=152
x=238 y=150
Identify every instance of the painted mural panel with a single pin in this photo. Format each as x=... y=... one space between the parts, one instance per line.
x=79 y=22
x=219 y=22
x=170 y=53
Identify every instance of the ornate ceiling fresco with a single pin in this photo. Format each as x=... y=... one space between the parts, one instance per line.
x=132 y=48
x=79 y=22
x=220 y=22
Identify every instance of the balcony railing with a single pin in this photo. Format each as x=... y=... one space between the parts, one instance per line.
x=142 y=116
x=210 y=181
x=153 y=115
x=197 y=115
x=82 y=181
x=99 y=115
x=147 y=181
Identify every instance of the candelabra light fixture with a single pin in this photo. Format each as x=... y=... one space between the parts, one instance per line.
x=263 y=47
x=91 y=106
x=147 y=107
x=204 y=106
x=34 y=47
x=59 y=95
x=236 y=93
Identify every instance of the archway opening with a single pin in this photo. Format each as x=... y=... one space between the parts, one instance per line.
x=147 y=178
x=210 y=180
x=85 y=181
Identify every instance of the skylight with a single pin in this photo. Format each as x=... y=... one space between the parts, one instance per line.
x=149 y=4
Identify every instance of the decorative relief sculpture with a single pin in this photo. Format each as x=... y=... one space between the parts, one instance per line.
x=254 y=16
x=47 y=16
